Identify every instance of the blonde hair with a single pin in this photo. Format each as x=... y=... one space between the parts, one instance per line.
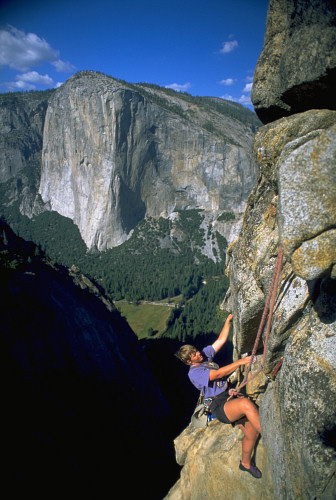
x=184 y=353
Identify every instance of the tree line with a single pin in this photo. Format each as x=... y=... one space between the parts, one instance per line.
x=142 y=268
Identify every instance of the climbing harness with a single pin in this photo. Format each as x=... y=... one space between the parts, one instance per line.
x=202 y=414
x=269 y=306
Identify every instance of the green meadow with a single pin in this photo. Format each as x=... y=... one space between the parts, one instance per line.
x=146 y=320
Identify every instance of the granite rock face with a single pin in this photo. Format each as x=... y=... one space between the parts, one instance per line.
x=21 y=134
x=298 y=409
x=112 y=156
x=293 y=205
x=297 y=454
x=21 y=123
x=296 y=70
x=210 y=458
x=303 y=151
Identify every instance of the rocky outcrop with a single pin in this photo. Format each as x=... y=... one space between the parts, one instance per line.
x=209 y=457
x=298 y=409
x=21 y=123
x=21 y=132
x=293 y=206
x=79 y=402
x=296 y=70
x=113 y=153
x=307 y=198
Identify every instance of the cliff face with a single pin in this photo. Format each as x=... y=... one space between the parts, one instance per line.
x=293 y=206
x=75 y=386
x=296 y=70
x=112 y=156
x=21 y=122
x=298 y=409
x=21 y=134
x=106 y=153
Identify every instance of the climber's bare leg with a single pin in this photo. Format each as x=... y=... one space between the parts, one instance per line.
x=248 y=442
x=242 y=407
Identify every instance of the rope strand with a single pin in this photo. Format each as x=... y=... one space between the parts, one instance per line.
x=270 y=299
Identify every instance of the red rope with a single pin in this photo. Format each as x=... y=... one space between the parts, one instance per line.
x=278 y=366
x=270 y=299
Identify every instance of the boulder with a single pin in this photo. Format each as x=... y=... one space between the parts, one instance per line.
x=296 y=156
x=296 y=70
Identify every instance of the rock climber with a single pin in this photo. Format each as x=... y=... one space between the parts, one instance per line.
x=211 y=380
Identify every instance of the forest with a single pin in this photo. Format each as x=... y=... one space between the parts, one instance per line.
x=151 y=266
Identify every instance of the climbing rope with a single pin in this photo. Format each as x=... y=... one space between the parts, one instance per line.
x=269 y=307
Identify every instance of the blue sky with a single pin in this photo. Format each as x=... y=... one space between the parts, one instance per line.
x=204 y=47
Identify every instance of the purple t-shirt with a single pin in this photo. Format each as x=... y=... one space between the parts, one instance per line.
x=199 y=375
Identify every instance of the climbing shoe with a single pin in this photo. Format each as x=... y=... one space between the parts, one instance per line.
x=253 y=470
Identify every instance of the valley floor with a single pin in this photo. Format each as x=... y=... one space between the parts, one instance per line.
x=146 y=318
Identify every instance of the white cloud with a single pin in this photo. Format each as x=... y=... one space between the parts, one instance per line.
x=63 y=67
x=243 y=99
x=20 y=85
x=247 y=88
x=29 y=81
x=179 y=87
x=228 y=46
x=228 y=97
x=22 y=51
x=35 y=77
x=227 y=81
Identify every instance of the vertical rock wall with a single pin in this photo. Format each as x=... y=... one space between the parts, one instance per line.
x=293 y=205
x=297 y=451
x=111 y=156
x=298 y=409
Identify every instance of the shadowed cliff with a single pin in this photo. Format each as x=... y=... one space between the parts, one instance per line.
x=80 y=406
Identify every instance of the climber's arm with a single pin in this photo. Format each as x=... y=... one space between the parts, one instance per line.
x=225 y=371
x=223 y=336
